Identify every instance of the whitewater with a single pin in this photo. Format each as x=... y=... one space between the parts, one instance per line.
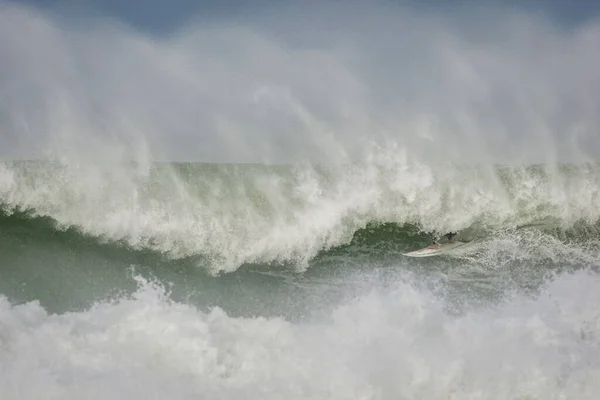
x=115 y=292
x=271 y=265
x=385 y=344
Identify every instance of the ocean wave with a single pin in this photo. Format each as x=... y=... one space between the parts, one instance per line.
x=235 y=214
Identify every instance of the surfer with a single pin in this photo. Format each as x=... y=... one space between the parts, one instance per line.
x=450 y=236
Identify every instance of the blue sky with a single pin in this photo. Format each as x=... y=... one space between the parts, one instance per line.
x=162 y=15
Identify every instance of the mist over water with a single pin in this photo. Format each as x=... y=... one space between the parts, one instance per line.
x=272 y=267
x=489 y=85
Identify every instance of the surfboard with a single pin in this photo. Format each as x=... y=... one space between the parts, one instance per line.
x=436 y=249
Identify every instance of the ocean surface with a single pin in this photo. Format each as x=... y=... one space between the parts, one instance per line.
x=247 y=281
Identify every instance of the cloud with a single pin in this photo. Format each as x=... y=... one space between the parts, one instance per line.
x=288 y=84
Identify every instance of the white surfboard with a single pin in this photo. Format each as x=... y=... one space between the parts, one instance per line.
x=436 y=249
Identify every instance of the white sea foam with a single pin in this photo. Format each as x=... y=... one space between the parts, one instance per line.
x=392 y=343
